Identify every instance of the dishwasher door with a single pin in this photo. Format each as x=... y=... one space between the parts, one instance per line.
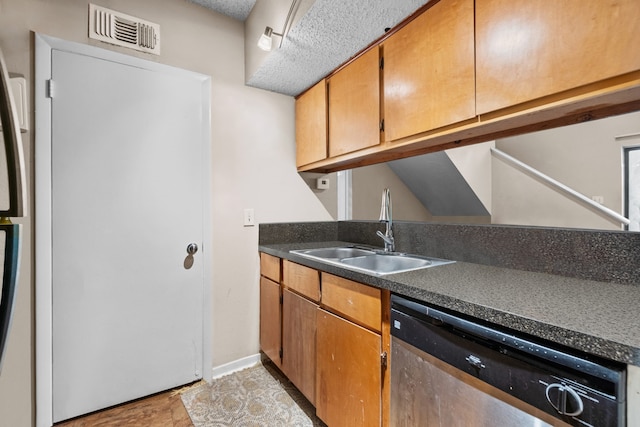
x=428 y=392
x=451 y=370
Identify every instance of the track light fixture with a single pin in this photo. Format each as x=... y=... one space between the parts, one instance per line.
x=266 y=39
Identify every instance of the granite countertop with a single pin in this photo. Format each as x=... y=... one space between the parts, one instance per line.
x=594 y=317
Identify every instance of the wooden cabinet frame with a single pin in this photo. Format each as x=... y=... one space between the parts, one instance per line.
x=616 y=93
x=320 y=331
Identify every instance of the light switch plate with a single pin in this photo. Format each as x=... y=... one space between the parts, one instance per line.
x=249 y=219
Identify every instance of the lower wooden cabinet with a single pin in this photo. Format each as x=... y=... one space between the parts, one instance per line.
x=299 y=342
x=328 y=335
x=349 y=373
x=270 y=319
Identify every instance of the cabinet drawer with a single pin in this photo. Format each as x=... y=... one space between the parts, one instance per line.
x=303 y=280
x=270 y=267
x=358 y=302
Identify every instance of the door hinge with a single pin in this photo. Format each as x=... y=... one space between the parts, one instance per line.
x=382 y=125
x=383 y=359
x=50 y=88
x=382 y=63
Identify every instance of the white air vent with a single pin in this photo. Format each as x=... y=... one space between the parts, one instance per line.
x=123 y=30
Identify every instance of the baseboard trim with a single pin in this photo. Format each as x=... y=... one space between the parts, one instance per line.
x=236 y=365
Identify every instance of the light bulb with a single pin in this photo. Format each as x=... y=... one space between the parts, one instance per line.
x=265 y=42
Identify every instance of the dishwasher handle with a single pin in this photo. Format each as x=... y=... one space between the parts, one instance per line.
x=566 y=399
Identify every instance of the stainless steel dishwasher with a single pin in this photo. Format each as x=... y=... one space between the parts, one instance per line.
x=448 y=370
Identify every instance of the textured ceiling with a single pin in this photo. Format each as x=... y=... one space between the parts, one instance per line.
x=237 y=9
x=329 y=34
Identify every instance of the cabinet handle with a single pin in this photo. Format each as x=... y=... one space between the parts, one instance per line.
x=383 y=359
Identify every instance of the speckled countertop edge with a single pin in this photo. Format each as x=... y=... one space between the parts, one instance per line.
x=594 y=317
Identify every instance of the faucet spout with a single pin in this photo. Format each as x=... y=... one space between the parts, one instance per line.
x=386 y=215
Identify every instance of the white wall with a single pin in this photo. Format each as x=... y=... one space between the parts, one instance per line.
x=253 y=162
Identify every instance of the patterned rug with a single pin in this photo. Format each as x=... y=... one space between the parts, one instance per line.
x=256 y=396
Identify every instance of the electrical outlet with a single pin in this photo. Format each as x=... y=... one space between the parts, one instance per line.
x=249 y=219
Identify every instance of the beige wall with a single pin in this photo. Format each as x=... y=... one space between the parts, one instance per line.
x=474 y=163
x=328 y=197
x=253 y=164
x=585 y=157
x=367 y=184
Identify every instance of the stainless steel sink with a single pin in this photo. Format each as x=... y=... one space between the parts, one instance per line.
x=387 y=263
x=370 y=261
x=334 y=253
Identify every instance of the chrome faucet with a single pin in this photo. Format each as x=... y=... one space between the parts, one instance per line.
x=386 y=216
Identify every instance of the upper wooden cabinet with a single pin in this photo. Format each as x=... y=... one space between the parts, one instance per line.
x=354 y=105
x=528 y=49
x=429 y=71
x=311 y=125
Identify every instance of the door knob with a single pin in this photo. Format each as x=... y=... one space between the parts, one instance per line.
x=192 y=248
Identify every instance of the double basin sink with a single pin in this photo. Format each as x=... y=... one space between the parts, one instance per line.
x=372 y=261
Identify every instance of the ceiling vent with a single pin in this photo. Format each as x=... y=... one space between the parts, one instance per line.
x=123 y=30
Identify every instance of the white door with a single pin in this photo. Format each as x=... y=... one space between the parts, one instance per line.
x=128 y=173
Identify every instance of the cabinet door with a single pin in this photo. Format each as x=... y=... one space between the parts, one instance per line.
x=349 y=373
x=299 y=342
x=354 y=105
x=429 y=71
x=527 y=49
x=311 y=125
x=270 y=316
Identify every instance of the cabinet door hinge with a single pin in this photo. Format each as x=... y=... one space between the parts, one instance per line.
x=50 y=88
x=383 y=359
x=382 y=125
